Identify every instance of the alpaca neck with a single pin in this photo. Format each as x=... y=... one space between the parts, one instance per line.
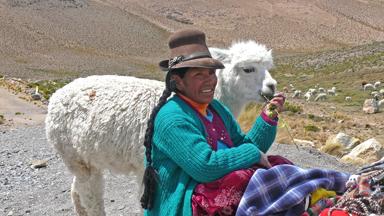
x=226 y=95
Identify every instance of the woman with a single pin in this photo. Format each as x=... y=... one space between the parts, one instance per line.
x=192 y=139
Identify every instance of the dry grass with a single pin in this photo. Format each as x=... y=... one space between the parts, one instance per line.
x=319 y=121
x=335 y=149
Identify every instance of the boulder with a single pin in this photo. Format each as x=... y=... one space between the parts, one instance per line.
x=340 y=144
x=370 y=106
x=347 y=141
x=365 y=153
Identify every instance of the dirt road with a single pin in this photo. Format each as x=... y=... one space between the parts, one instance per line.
x=18 y=112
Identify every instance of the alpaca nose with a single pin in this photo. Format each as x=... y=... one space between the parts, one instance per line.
x=272 y=87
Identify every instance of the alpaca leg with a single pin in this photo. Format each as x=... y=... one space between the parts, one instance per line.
x=87 y=191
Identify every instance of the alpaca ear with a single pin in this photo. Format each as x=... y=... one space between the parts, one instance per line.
x=220 y=54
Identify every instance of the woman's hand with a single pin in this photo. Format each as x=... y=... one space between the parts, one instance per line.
x=264 y=161
x=275 y=105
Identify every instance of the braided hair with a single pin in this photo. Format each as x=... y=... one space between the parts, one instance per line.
x=150 y=178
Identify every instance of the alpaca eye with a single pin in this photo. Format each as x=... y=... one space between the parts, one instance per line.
x=249 y=70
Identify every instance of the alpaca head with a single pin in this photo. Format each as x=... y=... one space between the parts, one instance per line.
x=245 y=77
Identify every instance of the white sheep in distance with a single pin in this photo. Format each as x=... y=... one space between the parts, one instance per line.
x=321 y=96
x=348 y=98
x=369 y=86
x=296 y=94
x=381 y=104
x=98 y=123
x=332 y=91
x=308 y=95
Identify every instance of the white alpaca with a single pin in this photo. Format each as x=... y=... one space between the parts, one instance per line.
x=381 y=91
x=98 y=122
x=381 y=104
x=308 y=96
x=313 y=91
x=348 y=98
x=332 y=91
x=322 y=90
x=296 y=94
x=321 y=96
x=376 y=94
x=369 y=86
x=377 y=84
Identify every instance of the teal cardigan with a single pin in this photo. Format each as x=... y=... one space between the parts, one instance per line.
x=183 y=158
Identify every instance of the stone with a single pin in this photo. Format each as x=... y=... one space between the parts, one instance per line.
x=365 y=153
x=370 y=106
x=305 y=143
x=347 y=141
x=36 y=164
x=36 y=96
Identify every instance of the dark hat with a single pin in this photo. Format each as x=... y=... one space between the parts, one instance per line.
x=188 y=49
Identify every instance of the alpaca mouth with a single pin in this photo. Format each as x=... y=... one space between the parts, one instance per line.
x=266 y=96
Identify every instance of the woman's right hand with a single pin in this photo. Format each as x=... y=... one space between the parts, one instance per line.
x=264 y=160
x=275 y=106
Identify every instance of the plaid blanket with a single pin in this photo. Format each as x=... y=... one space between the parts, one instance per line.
x=282 y=189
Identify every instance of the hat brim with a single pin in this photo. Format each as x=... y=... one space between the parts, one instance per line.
x=200 y=63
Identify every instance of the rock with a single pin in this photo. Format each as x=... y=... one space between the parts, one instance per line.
x=306 y=143
x=367 y=152
x=344 y=139
x=370 y=106
x=339 y=144
x=36 y=96
x=36 y=164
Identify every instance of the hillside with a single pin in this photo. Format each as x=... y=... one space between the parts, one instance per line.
x=45 y=39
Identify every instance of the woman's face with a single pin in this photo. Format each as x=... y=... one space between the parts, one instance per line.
x=198 y=84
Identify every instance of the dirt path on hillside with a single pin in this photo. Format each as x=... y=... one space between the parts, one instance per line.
x=18 y=112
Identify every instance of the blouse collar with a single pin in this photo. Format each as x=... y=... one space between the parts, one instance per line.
x=201 y=108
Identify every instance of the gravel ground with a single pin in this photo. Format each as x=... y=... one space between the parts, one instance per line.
x=46 y=191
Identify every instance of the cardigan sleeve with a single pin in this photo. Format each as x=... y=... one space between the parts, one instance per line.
x=180 y=139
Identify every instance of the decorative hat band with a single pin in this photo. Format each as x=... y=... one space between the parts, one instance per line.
x=182 y=58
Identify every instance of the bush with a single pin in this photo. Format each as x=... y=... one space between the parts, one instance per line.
x=2 y=119
x=315 y=118
x=48 y=87
x=312 y=128
x=292 y=107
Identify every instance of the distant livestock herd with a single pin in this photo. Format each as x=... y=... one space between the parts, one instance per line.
x=317 y=93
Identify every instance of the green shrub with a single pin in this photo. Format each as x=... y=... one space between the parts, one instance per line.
x=311 y=128
x=315 y=118
x=2 y=119
x=292 y=107
x=48 y=87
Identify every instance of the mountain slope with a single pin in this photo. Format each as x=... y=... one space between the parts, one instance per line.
x=43 y=39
